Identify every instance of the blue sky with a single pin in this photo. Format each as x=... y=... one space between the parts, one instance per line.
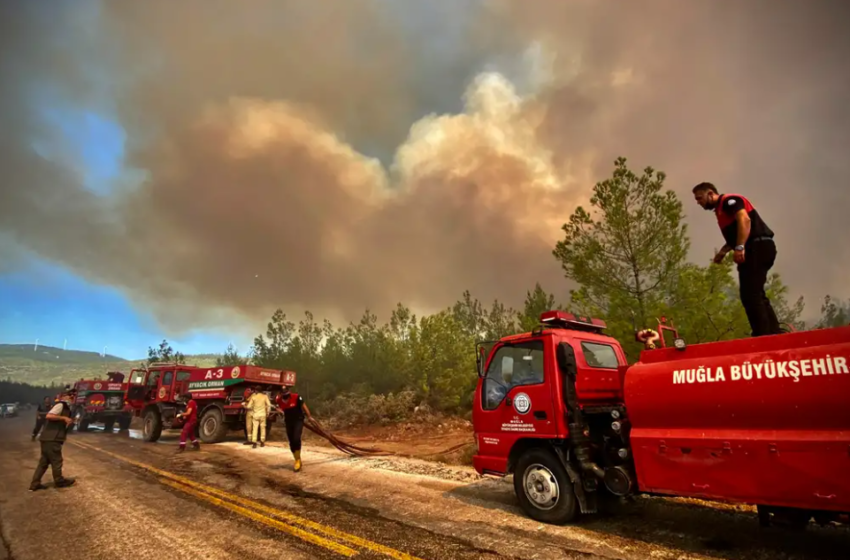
x=47 y=302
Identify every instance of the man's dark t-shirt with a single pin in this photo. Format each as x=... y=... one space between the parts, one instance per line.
x=727 y=207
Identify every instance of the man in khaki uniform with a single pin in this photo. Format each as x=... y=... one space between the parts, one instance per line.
x=259 y=406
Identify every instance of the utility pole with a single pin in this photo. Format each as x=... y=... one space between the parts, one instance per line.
x=104 y=351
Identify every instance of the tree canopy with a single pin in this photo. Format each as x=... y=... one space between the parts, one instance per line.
x=165 y=353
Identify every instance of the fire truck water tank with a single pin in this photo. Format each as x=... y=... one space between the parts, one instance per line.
x=762 y=420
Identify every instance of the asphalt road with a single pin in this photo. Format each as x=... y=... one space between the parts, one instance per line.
x=138 y=500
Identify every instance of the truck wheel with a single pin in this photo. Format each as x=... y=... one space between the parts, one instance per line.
x=80 y=422
x=124 y=423
x=153 y=426
x=543 y=487
x=212 y=428
x=109 y=425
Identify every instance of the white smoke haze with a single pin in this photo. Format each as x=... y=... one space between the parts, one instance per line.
x=334 y=156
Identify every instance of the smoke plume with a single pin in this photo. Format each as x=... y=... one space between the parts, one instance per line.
x=334 y=156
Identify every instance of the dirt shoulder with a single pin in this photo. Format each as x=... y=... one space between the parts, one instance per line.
x=432 y=439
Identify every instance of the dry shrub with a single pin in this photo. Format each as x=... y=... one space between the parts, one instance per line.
x=357 y=409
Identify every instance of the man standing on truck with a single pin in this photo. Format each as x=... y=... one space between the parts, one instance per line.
x=41 y=414
x=259 y=406
x=190 y=428
x=751 y=239
x=294 y=411
x=58 y=422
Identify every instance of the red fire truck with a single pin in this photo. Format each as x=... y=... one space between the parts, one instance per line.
x=102 y=401
x=763 y=421
x=154 y=395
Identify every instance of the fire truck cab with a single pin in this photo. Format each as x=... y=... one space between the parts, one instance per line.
x=529 y=386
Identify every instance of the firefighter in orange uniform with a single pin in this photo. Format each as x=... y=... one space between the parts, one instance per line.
x=294 y=412
x=190 y=428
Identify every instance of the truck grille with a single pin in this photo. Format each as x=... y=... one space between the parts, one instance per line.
x=114 y=402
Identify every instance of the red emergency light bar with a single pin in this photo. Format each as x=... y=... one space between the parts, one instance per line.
x=564 y=320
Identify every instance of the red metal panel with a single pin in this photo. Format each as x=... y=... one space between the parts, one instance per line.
x=263 y=375
x=763 y=420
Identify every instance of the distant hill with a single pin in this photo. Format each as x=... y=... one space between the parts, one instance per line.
x=21 y=362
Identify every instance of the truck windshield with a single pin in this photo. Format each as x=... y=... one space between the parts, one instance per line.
x=512 y=366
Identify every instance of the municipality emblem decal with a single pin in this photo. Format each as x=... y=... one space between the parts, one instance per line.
x=522 y=403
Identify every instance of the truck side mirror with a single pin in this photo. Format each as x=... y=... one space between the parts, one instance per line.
x=480 y=359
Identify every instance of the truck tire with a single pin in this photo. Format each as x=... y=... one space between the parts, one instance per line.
x=80 y=421
x=152 y=428
x=109 y=425
x=212 y=428
x=124 y=423
x=543 y=487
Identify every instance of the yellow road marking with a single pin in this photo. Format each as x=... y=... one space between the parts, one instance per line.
x=294 y=519
x=309 y=537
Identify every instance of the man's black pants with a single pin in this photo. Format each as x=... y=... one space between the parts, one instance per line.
x=759 y=258
x=39 y=423
x=51 y=455
x=294 y=428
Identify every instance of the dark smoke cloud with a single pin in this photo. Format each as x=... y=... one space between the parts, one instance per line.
x=342 y=155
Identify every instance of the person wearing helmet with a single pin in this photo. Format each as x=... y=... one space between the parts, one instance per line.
x=294 y=412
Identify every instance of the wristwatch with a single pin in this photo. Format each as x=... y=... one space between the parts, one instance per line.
x=739 y=247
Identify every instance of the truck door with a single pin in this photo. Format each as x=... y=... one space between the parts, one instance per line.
x=166 y=384
x=181 y=384
x=598 y=379
x=153 y=385
x=137 y=389
x=514 y=401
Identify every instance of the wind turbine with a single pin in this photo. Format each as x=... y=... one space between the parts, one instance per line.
x=65 y=345
x=35 y=348
x=104 y=351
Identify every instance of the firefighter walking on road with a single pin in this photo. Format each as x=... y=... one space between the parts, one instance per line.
x=190 y=428
x=294 y=411
x=751 y=239
x=40 y=415
x=259 y=406
x=58 y=421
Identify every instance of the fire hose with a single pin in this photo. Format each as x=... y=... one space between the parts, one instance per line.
x=356 y=451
